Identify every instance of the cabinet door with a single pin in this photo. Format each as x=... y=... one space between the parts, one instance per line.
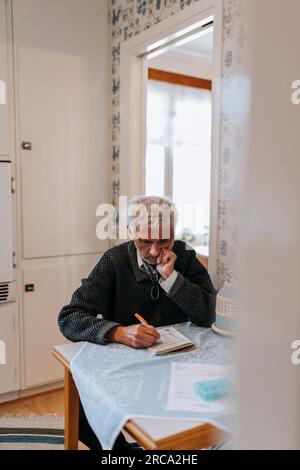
x=61 y=54
x=9 y=371
x=6 y=247
x=4 y=129
x=53 y=287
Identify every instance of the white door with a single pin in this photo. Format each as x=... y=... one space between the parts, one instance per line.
x=61 y=72
x=4 y=133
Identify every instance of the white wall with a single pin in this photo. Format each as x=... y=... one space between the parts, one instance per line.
x=269 y=411
x=183 y=64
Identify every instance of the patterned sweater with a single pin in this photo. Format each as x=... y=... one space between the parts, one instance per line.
x=117 y=288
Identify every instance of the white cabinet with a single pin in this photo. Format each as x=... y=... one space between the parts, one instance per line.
x=61 y=75
x=4 y=126
x=61 y=84
x=6 y=246
x=53 y=287
x=9 y=380
x=56 y=57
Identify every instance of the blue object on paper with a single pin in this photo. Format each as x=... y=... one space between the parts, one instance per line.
x=214 y=389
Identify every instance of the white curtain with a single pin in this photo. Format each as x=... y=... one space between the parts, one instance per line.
x=179 y=152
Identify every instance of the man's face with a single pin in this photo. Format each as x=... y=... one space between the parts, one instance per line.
x=150 y=249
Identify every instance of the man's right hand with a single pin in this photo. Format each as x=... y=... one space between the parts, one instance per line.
x=137 y=336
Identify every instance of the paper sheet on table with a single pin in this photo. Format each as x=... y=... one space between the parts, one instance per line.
x=181 y=394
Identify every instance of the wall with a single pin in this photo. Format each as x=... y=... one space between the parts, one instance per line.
x=129 y=18
x=230 y=138
x=269 y=321
x=179 y=63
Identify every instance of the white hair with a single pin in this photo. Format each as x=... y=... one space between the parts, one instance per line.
x=153 y=212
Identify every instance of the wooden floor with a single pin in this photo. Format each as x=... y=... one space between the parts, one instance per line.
x=41 y=404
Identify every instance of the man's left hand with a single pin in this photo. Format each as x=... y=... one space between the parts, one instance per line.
x=166 y=262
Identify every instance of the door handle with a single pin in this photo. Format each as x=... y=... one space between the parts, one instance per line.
x=26 y=145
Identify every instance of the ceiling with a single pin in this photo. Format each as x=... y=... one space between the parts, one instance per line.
x=201 y=48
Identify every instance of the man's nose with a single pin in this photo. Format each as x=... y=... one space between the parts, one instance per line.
x=154 y=250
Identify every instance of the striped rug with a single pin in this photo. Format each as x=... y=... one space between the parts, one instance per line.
x=31 y=432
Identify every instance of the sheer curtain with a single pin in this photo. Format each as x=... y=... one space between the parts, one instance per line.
x=179 y=153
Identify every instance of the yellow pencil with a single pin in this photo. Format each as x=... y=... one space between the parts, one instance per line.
x=141 y=319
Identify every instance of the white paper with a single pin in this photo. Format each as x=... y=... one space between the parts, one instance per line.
x=181 y=394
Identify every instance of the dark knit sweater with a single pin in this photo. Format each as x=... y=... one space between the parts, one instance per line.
x=117 y=288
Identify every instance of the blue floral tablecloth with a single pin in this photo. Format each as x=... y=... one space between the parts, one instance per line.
x=117 y=383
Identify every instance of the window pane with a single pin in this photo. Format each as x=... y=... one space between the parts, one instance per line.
x=191 y=188
x=191 y=162
x=179 y=121
x=157 y=111
x=155 y=170
x=192 y=121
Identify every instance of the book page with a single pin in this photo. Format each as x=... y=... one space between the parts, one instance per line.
x=170 y=340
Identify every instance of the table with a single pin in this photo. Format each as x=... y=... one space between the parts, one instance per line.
x=149 y=433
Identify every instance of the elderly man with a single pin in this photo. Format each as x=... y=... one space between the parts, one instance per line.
x=153 y=275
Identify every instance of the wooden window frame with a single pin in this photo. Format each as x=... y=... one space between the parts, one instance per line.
x=179 y=79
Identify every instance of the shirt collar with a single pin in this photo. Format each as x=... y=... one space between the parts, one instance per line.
x=136 y=259
x=146 y=268
x=140 y=262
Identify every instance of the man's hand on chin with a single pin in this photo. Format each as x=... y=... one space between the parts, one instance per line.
x=136 y=336
x=166 y=262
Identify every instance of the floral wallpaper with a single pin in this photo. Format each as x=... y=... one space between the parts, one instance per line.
x=129 y=18
x=229 y=175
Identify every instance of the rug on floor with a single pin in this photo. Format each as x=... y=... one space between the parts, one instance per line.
x=31 y=432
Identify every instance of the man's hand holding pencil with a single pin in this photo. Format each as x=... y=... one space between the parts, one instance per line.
x=138 y=336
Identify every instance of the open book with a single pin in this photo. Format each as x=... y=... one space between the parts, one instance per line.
x=170 y=340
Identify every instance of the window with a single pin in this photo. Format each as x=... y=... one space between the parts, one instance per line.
x=179 y=153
